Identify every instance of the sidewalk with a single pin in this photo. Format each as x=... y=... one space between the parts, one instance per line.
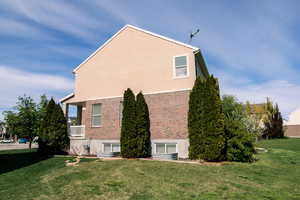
x=12 y=146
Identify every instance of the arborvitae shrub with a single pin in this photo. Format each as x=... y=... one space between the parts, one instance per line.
x=44 y=133
x=206 y=121
x=128 y=130
x=53 y=136
x=142 y=127
x=60 y=140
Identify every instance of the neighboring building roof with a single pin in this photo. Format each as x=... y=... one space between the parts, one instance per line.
x=69 y=96
x=258 y=108
x=139 y=29
x=292 y=131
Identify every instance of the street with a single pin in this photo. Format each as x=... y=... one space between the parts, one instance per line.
x=16 y=146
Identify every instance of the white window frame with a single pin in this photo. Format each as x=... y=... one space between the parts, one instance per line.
x=187 y=67
x=111 y=148
x=97 y=115
x=165 y=143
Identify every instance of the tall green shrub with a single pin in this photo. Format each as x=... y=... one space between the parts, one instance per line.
x=44 y=131
x=206 y=121
x=53 y=138
x=142 y=127
x=128 y=129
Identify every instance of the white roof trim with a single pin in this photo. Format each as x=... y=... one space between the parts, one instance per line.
x=146 y=93
x=66 y=97
x=140 y=29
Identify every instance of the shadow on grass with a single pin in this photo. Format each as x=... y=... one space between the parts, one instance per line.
x=16 y=159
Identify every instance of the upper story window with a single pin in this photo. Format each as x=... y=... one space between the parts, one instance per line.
x=180 y=66
x=96 y=115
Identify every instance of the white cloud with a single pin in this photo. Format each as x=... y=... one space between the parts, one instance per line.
x=13 y=27
x=14 y=83
x=283 y=92
x=116 y=10
x=59 y=15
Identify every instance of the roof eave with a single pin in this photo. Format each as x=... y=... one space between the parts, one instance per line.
x=67 y=97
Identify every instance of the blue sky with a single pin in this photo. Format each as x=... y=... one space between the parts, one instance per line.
x=251 y=46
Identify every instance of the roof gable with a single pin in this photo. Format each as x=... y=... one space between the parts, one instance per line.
x=139 y=29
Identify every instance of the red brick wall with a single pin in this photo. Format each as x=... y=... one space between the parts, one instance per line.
x=168 y=116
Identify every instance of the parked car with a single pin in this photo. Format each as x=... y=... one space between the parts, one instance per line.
x=23 y=141
x=7 y=141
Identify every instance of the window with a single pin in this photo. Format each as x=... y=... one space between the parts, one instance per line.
x=162 y=148
x=96 y=115
x=181 y=66
x=111 y=147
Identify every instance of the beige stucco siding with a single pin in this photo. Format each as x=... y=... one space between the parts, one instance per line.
x=136 y=60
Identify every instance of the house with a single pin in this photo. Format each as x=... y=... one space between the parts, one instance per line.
x=292 y=126
x=162 y=68
x=257 y=111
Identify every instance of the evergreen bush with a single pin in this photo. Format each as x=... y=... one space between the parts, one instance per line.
x=53 y=135
x=273 y=122
x=142 y=127
x=128 y=130
x=239 y=139
x=206 y=121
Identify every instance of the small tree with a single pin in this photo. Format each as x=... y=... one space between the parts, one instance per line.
x=206 y=121
x=41 y=112
x=11 y=123
x=273 y=122
x=254 y=120
x=142 y=127
x=27 y=118
x=128 y=129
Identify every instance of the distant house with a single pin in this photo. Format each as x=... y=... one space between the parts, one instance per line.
x=292 y=126
x=258 y=111
x=162 y=68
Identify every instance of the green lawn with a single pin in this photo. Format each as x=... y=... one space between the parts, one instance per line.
x=26 y=175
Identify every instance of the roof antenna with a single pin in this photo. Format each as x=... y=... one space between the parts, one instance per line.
x=193 y=34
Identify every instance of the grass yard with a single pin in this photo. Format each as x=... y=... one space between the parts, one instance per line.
x=27 y=175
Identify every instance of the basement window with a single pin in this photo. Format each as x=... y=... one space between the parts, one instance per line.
x=164 y=148
x=111 y=147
